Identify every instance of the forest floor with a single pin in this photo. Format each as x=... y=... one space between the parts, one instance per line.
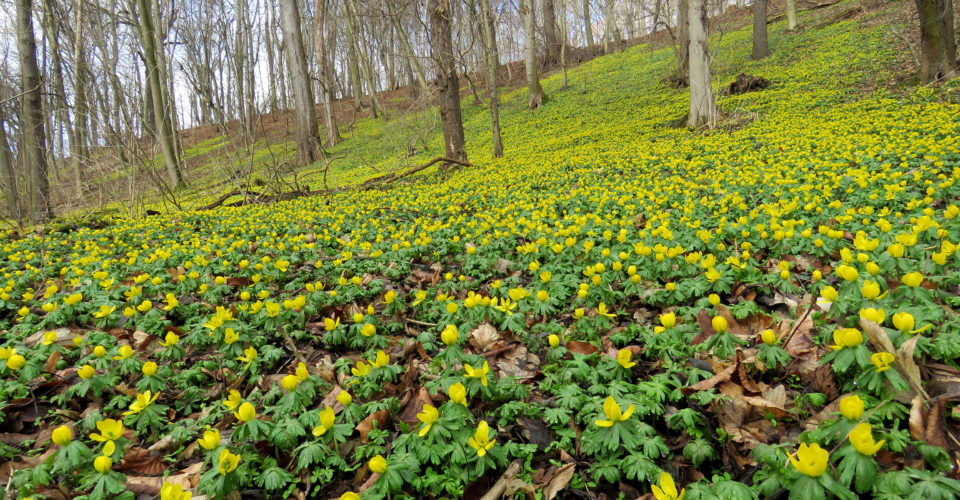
x=618 y=308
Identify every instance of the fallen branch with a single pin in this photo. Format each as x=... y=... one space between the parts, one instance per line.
x=378 y=181
x=498 y=489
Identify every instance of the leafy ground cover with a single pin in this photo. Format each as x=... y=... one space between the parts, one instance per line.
x=618 y=308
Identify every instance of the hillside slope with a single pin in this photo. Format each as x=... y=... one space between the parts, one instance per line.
x=615 y=306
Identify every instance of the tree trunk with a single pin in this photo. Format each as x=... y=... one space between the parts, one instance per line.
x=703 y=106
x=761 y=48
x=10 y=190
x=530 y=50
x=683 y=41
x=550 y=33
x=938 y=49
x=441 y=49
x=587 y=24
x=308 y=142
x=608 y=27
x=791 y=15
x=325 y=73
x=78 y=141
x=489 y=29
x=162 y=123
x=33 y=145
x=405 y=41
x=354 y=59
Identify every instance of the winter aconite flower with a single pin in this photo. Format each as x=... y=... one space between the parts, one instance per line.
x=613 y=413
x=481 y=439
x=62 y=436
x=851 y=407
x=719 y=323
x=428 y=416
x=125 y=352
x=458 y=394
x=16 y=362
x=810 y=460
x=668 y=320
x=149 y=368
x=768 y=337
x=210 y=439
x=289 y=383
x=861 y=438
x=171 y=491
x=249 y=354
x=327 y=418
x=913 y=279
x=344 y=398
x=667 y=490
x=103 y=464
x=882 y=360
x=227 y=462
x=378 y=464
x=110 y=430
x=623 y=358
x=143 y=400
x=846 y=337
x=246 y=412
x=381 y=360
x=553 y=340
x=478 y=373
x=449 y=335
x=84 y=372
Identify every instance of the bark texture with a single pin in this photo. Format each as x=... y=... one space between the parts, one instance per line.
x=441 y=48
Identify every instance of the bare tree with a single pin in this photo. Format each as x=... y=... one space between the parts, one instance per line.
x=938 y=45
x=441 y=49
x=550 y=36
x=325 y=72
x=530 y=53
x=791 y=15
x=32 y=144
x=489 y=28
x=761 y=48
x=587 y=23
x=703 y=105
x=308 y=145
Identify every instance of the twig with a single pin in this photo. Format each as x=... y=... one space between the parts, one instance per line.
x=500 y=487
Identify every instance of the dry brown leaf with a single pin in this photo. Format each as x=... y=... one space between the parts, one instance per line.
x=519 y=362
x=581 y=347
x=561 y=479
x=366 y=425
x=140 y=461
x=483 y=337
x=904 y=356
x=149 y=485
x=409 y=412
x=712 y=382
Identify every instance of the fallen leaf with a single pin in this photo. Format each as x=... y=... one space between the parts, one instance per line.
x=483 y=337
x=560 y=481
x=519 y=362
x=366 y=425
x=578 y=347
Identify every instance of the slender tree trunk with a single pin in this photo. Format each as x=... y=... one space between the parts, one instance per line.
x=10 y=189
x=587 y=23
x=761 y=48
x=59 y=116
x=354 y=59
x=607 y=25
x=938 y=49
x=563 y=44
x=308 y=142
x=703 y=105
x=441 y=48
x=551 y=40
x=405 y=41
x=683 y=41
x=530 y=49
x=489 y=29
x=325 y=73
x=33 y=145
x=791 y=15
x=78 y=141
x=162 y=122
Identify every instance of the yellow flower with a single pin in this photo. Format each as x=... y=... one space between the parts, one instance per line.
x=228 y=462
x=714 y=299
x=249 y=354
x=210 y=439
x=553 y=340
x=327 y=418
x=73 y=299
x=876 y=315
x=233 y=400
x=428 y=416
x=104 y=311
x=344 y=398
x=49 y=338
x=847 y=273
x=125 y=352
x=668 y=320
x=871 y=290
x=478 y=373
x=171 y=491
x=230 y=336
x=851 y=407
x=110 y=430
x=290 y=382
x=84 y=372
x=382 y=360
x=913 y=279
x=143 y=400
x=6 y=352
x=246 y=412
x=349 y=496
x=882 y=360
x=99 y=351
x=810 y=460
x=361 y=369
x=389 y=297
x=613 y=413
x=623 y=358
x=149 y=368
x=145 y=306
x=861 y=438
x=368 y=330
x=481 y=439
x=171 y=339
x=602 y=311
x=719 y=324
x=62 y=436
x=16 y=362
x=103 y=464
x=330 y=324
x=768 y=337
x=846 y=337
x=378 y=464
x=667 y=489
x=458 y=394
